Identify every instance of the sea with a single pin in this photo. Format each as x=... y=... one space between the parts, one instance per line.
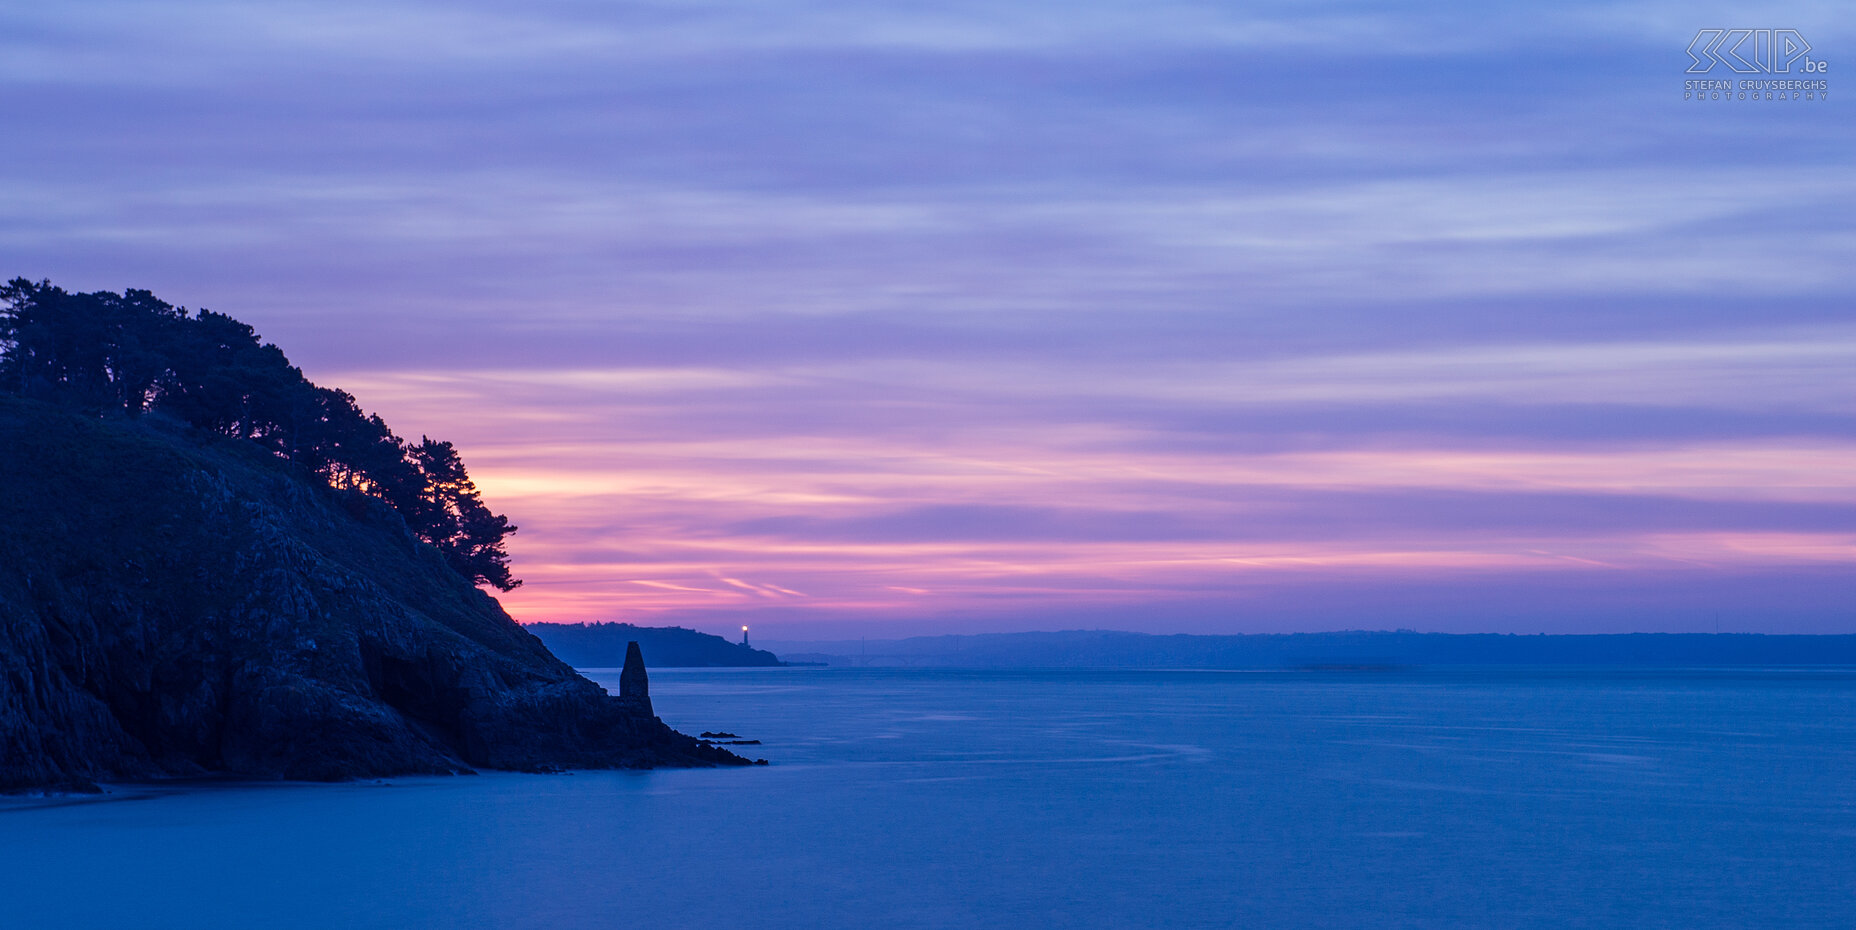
x=930 y=798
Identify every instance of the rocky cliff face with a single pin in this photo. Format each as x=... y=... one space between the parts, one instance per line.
x=175 y=604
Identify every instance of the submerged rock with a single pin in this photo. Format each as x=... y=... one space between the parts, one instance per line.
x=176 y=604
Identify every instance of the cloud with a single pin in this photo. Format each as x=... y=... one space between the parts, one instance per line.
x=985 y=310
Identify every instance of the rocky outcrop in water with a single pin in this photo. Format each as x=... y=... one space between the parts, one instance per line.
x=176 y=604
x=634 y=685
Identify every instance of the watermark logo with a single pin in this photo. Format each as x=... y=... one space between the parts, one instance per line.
x=1755 y=51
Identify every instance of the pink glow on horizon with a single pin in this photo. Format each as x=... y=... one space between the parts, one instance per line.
x=633 y=507
x=1078 y=327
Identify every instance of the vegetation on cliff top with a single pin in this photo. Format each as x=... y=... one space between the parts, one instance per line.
x=132 y=354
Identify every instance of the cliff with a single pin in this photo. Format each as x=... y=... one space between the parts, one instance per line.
x=603 y=645
x=174 y=603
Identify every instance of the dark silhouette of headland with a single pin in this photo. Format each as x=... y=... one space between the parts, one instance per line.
x=212 y=566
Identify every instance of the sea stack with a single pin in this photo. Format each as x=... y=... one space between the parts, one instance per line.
x=634 y=687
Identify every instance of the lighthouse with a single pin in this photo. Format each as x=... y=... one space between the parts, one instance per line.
x=744 y=636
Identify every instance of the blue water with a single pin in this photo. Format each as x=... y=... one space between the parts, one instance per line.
x=936 y=798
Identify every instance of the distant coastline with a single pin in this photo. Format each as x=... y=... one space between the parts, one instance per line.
x=602 y=645
x=1354 y=649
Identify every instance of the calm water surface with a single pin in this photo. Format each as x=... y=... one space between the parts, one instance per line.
x=937 y=798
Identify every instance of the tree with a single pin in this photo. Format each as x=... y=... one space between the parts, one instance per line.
x=227 y=381
x=128 y=353
x=454 y=516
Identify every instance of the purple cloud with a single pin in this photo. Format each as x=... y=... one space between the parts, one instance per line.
x=996 y=314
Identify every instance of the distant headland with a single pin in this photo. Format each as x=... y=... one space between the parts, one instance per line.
x=603 y=645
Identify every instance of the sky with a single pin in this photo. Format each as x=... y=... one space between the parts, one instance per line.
x=898 y=318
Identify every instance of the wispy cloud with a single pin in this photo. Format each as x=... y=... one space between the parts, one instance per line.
x=1167 y=314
